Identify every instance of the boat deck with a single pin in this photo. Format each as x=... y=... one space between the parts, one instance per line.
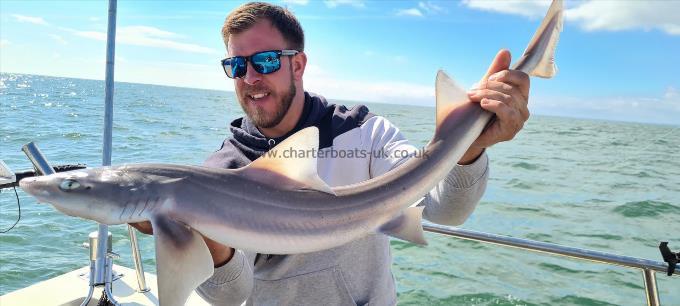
x=71 y=288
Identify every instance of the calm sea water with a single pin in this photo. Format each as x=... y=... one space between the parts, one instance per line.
x=601 y=185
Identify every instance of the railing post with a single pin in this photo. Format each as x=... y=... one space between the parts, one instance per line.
x=137 y=258
x=102 y=262
x=650 y=287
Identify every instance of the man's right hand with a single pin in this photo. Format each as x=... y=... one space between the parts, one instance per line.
x=221 y=254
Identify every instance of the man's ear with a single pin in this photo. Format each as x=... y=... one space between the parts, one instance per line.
x=299 y=62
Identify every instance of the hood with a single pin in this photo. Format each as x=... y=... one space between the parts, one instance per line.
x=250 y=141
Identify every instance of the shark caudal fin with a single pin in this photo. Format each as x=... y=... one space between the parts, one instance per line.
x=290 y=164
x=408 y=226
x=539 y=57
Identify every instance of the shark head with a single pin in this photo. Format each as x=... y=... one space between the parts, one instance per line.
x=101 y=194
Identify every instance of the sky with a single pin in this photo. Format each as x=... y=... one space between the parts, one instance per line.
x=617 y=60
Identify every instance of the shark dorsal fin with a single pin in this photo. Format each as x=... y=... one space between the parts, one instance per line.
x=449 y=97
x=291 y=164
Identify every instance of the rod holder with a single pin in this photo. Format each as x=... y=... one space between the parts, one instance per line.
x=93 y=240
x=37 y=158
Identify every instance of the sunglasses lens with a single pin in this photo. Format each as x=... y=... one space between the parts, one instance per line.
x=266 y=62
x=235 y=67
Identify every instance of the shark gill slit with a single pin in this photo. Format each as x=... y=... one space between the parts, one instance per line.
x=146 y=204
x=122 y=212
x=134 y=208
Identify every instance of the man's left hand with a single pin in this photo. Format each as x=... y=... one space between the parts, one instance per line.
x=505 y=93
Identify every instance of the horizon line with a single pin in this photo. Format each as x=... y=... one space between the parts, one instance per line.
x=566 y=116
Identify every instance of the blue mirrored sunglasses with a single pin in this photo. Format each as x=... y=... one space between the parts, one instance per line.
x=264 y=62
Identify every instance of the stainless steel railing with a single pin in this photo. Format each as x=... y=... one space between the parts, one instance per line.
x=648 y=267
x=137 y=259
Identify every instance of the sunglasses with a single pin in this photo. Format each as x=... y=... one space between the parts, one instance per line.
x=264 y=62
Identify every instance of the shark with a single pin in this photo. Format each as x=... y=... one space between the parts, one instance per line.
x=278 y=205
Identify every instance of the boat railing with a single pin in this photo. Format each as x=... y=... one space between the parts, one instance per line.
x=648 y=267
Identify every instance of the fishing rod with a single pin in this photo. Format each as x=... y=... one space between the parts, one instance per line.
x=10 y=179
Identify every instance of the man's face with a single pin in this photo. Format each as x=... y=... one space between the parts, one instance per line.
x=264 y=98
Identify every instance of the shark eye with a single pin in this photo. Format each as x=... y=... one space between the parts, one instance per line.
x=69 y=184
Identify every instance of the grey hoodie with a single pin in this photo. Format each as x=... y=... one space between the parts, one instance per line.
x=358 y=146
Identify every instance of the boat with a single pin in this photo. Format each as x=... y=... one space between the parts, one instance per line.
x=101 y=281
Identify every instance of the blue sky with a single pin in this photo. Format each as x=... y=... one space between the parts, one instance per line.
x=618 y=60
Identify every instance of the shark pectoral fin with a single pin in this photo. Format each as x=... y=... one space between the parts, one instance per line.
x=290 y=164
x=183 y=260
x=407 y=226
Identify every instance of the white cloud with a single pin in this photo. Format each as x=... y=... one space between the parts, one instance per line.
x=148 y=37
x=672 y=94
x=430 y=8
x=627 y=15
x=664 y=108
x=527 y=8
x=147 y=31
x=173 y=74
x=353 y=3
x=58 y=39
x=30 y=19
x=4 y=43
x=92 y=35
x=424 y=8
x=385 y=91
x=594 y=15
x=671 y=98
x=296 y=2
x=409 y=12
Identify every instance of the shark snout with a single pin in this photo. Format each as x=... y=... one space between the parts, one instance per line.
x=26 y=183
x=35 y=187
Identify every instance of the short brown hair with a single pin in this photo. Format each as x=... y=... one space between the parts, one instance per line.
x=245 y=16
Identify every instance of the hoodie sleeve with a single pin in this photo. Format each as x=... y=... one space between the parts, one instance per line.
x=452 y=201
x=230 y=284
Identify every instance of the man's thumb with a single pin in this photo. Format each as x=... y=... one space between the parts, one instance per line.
x=500 y=62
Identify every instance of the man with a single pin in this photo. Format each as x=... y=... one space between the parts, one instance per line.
x=265 y=45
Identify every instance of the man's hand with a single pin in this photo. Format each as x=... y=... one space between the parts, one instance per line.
x=144 y=227
x=221 y=254
x=505 y=93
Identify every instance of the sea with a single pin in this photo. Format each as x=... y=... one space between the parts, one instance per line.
x=600 y=185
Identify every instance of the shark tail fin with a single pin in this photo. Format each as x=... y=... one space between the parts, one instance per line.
x=407 y=226
x=291 y=164
x=543 y=45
